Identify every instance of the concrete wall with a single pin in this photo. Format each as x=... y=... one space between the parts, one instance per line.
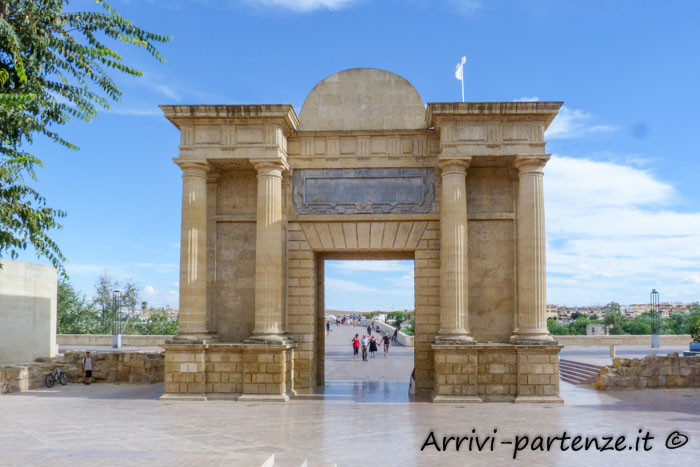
x=28 y=294
x=106 y=339
x=573 y=341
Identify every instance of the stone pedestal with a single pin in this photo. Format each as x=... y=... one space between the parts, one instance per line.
x=496 y=373
x=532 y=302
x=243 y=372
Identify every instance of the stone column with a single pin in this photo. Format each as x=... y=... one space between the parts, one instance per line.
x=454 y=275
x=193 y=251
x=269 y=255
x=532 y=302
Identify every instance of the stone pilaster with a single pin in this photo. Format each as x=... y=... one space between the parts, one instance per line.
x=532 y=302
x=269 y=259
x=454 y=274
x=193 y=252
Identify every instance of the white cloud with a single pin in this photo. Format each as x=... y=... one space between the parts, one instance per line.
x=692 y=279
x=466 y=7
x=339 y=286
x=302 y=6
x=149 y=290
x=526 y=99
x=612 y=234
x=574 y=123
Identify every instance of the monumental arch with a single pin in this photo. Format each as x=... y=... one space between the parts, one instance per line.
x=365 y=171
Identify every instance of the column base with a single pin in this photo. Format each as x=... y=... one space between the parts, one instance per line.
x=535 y=339
x=454 y=340
x=275 y=339
x=204 y=338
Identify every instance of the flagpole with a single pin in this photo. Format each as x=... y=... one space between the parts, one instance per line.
x=462 y=80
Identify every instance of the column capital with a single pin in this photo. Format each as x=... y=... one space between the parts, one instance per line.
x=196 y=168
x=530 y=164
x=267 y=167
x=454 y=165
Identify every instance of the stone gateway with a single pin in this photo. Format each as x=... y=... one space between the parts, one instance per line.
x=366 y=171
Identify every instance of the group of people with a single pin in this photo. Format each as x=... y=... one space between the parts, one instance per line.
x=368 y=345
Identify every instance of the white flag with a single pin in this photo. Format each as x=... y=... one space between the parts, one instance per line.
x=458 y=73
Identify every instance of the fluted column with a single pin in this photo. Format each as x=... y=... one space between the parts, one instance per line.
x=269 y=255
x=532 y=301
x=193 y=251
x=454 y=274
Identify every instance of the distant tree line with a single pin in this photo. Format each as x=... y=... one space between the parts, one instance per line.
x=79 y=315
x=679 y=322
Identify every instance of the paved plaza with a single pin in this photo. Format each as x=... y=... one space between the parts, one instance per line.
x=343 y=423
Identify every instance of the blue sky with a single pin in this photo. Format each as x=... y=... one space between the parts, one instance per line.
x=622 y=191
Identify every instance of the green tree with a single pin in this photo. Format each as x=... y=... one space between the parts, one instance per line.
x=75 y=314
x=130 y=295
x=53 y=68
x=578 y=326
x=637 y=327
x=614 y=319
x=157 y=323
x=593 y=317
x=103 y=295
x=556 y=328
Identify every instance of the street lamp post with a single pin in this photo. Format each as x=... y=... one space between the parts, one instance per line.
x=655 y=319
x=117 y=319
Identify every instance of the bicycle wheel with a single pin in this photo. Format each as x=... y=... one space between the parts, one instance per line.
x=63 y=379
x=49 y=381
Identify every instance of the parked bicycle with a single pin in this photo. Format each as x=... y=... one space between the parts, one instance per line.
x=56 y=375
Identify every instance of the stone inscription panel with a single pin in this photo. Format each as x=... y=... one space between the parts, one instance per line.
x=364 y=191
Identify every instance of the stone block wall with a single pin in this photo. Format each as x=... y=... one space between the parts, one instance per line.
x=650 y=372
x=229 y=371
x=109 y=367
x=496 y=372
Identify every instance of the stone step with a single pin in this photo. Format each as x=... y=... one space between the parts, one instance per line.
x=579 y=364
x=577 y=372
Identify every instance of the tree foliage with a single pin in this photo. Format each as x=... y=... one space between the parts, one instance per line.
x=79 y=315
x=54 y=67
x=75 y=314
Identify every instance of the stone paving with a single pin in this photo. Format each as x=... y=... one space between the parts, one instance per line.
x=105 y=424
x=341 y=365
x=118 y=424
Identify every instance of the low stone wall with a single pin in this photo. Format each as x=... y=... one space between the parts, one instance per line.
x=106 y=340
x=496 y=373
x=650 y=372
x=402 y=338
x=109 y=367
x=229 y=371
x=573 y=341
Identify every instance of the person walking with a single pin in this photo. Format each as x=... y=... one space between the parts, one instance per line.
x=328 y=328
x=396 y=333
x=356 y=345
x=387 y=343
x=372 y=347
x=369 y=329
x=365 y=342
x=87 y=367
